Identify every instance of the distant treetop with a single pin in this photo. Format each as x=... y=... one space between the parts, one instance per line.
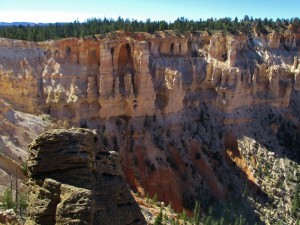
x=93 y=26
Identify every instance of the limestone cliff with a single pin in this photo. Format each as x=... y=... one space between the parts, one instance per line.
x=73 y=182
x=209 y=115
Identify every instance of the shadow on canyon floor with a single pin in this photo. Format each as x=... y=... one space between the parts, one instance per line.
x=272 y=129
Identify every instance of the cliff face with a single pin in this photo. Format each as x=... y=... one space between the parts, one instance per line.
x=203 y=114
x=140 y=74
x=81 y=185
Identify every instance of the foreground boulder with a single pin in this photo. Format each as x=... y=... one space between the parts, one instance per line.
x=73 y=182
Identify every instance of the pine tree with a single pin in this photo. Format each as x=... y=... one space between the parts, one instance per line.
x=208 y=220
x=184 y=217
x=159 y=218
x=196 y=218
x=222 y=221
x=22 y=202
x=7 y=199
x=296 y=203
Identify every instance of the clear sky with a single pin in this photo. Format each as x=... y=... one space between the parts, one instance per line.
x=169 y=10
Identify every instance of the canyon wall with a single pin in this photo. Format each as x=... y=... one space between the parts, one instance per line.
x=194 y=117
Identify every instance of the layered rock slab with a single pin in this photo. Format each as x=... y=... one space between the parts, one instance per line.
x=73 y=182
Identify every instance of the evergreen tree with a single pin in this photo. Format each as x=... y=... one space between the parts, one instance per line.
x=184 y=217
x=159 y=218
x=7 y=199
x=196 y=218
x=296 y=203
x=208 y=220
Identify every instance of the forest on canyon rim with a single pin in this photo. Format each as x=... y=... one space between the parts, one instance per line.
x=247 y=25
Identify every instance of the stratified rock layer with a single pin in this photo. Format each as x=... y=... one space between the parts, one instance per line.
x=73 y=182
x=123 y=74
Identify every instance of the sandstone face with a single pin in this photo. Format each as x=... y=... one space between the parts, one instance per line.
x=201 y=113
x=96 y=78
x=73 y=182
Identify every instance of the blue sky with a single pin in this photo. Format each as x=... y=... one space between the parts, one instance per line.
x=67 y=10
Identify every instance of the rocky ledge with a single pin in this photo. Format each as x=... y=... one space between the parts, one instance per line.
x=73 y=182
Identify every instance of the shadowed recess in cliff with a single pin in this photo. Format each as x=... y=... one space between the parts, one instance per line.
x=161 y=101
x=93 y=58
x=68 y=52
x=125 y=68
x=272 y=129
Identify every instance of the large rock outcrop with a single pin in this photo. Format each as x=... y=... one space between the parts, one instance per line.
x=73 y=182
